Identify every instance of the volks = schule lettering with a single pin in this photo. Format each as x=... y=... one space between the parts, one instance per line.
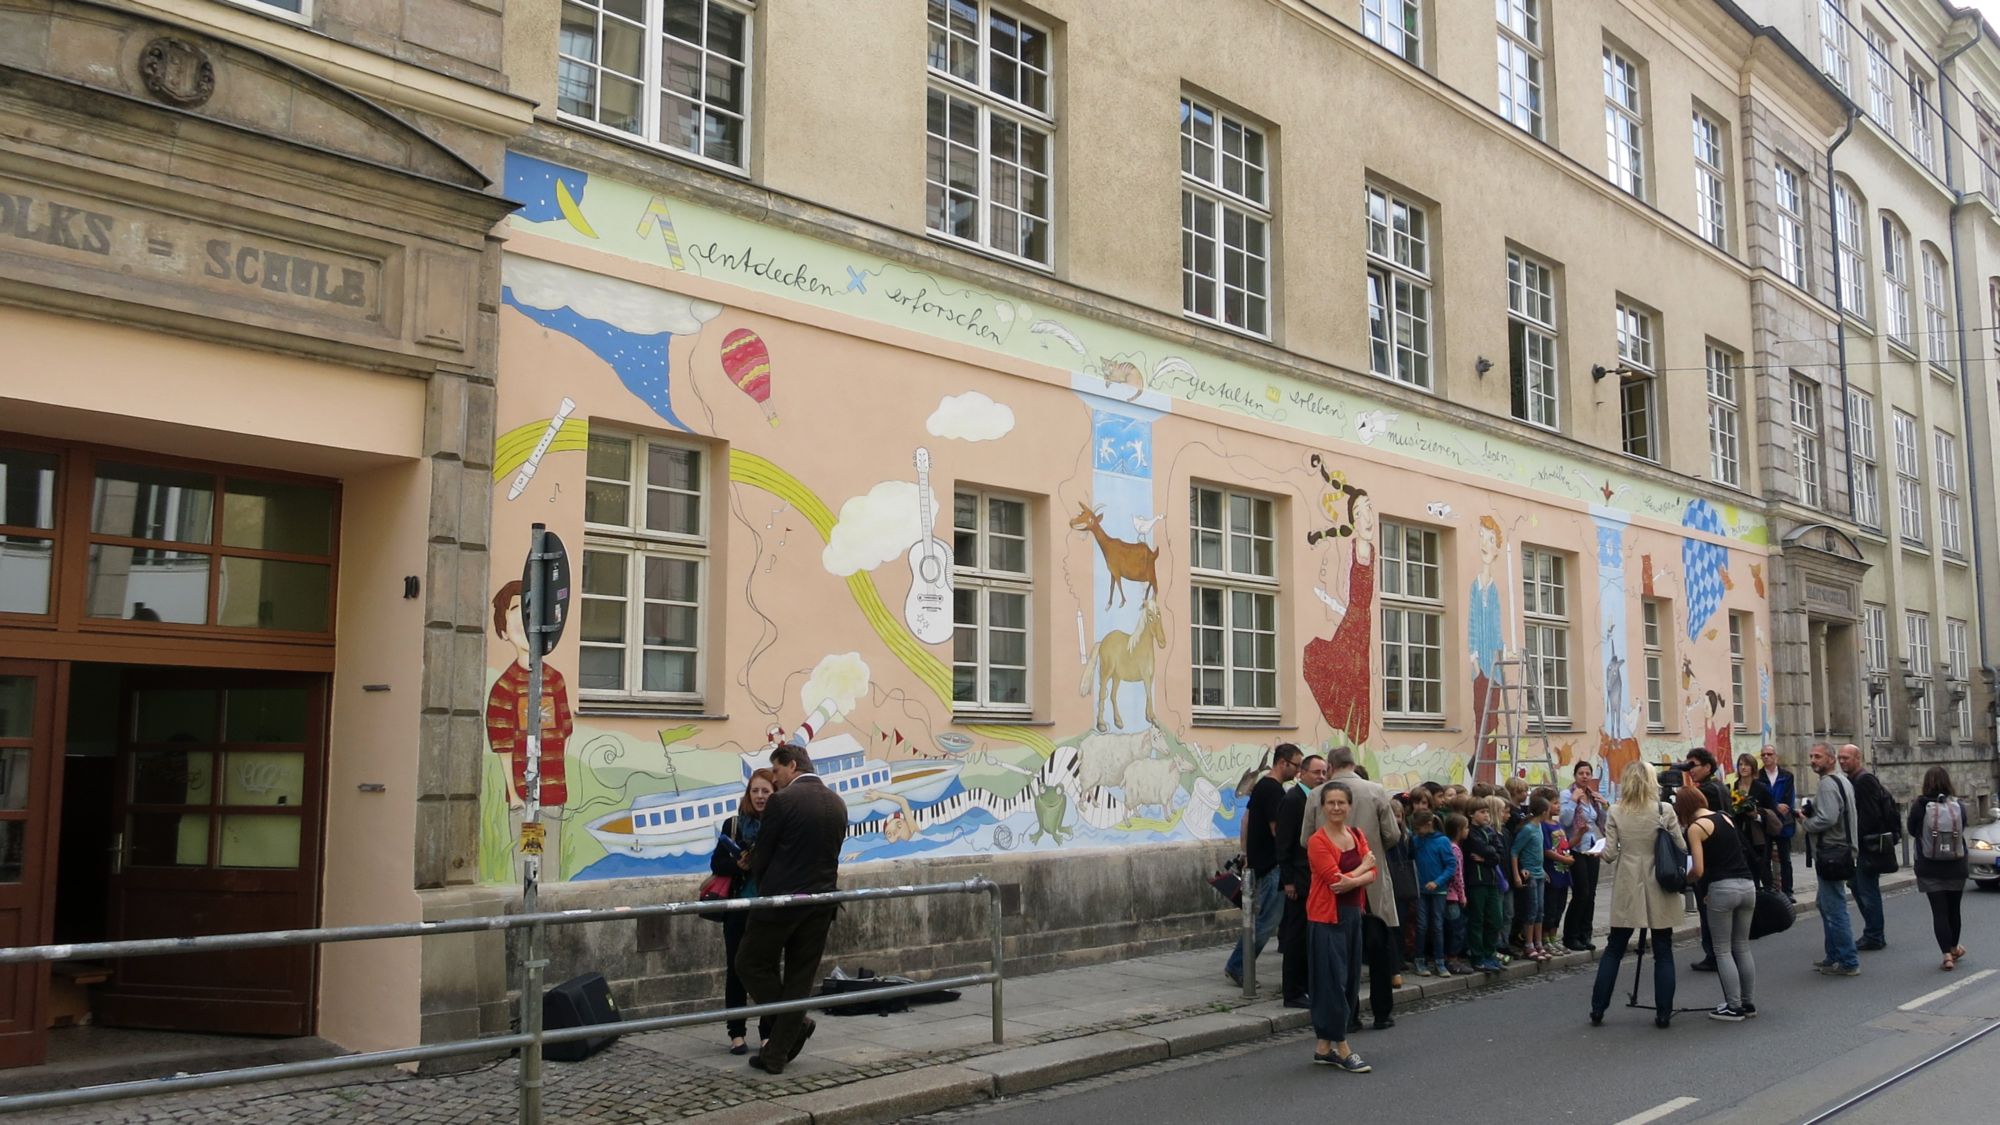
x=283 y=273
x=55 y=224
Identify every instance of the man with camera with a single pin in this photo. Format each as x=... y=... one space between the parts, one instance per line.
x=1831 y=829
x=1880 y=828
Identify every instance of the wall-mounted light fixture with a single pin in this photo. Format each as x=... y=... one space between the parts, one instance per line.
x=1483 y=366
x=1598 y=371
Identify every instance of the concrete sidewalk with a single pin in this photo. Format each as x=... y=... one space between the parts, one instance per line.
x=1060 y=1026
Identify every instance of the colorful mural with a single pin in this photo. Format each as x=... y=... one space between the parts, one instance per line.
x=822 y=578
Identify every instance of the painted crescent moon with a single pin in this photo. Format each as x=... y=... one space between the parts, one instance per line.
x=570 y=211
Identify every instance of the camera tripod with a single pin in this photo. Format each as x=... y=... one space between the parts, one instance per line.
x=1638 y=973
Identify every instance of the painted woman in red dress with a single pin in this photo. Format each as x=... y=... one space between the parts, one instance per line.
x=1336 y=668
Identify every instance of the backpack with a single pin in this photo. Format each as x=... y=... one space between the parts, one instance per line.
x=1944 y=830
x=1670 y=861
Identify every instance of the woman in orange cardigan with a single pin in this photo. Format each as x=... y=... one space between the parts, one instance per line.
x=1342 y=867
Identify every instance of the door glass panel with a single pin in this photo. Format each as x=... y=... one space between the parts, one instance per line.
x=172 y=777
x=175 y=714
x=267 y=594
x=17 y=706
x=262 y=778
x=266 y=715
x=14 y=777
x=146 y=584
x=13 y=848
x=253 y=840
x=24 y=574
x=271 y=515
x=166 y=839
x=27 y=488
x=146 y=502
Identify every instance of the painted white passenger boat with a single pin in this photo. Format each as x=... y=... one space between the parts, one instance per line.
x=844 y=765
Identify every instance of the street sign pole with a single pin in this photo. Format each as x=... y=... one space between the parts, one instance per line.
x=544 y=612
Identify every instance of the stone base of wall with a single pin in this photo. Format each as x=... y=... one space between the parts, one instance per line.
x=1062 y=909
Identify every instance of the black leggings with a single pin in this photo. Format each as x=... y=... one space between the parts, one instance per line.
x=1614 y=952
x=1945 y=918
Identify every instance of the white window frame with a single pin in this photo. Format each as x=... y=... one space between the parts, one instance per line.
x=277 y=9
x=1655 y=629
x=1638 y=391
x=1226 y=208
x=975 y=572
x=1545 y=627
x=1922 y=145
x=1881 y=76
x=1896 y=319
x=1739 y=671
x=1711 y=180
x=1808 y=442
x=1520 y=63
x=1937 y=313
x=1411 y=580
x=1233 y=582
x=1958 y=669
x=1400 y=309
x=1850 y=250
x=1875 y=654
x=1001 y=185
x=1867 y=459
x=638 y=544
x=1789 y=182
x=1725 y=418
x=1833 y=55
x=1534 y=373
x=1917 y=651
x=1398 y=25
x=1950 y=515
x=652 y=81
x=1624 y=123
x=1912 y=521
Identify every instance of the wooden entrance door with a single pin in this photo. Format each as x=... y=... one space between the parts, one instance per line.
x=219 y=796
x=27 y=867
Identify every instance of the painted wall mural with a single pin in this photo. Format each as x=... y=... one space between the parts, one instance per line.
x=777 y=518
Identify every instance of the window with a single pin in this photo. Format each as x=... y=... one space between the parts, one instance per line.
x=1944 y=463
x=1896 y=281
x=1808 y=451
x=1957 y=668
x=1225 y=221
x=1638 y=408
x=1922 y=146
x=1710 y=211
x=1739 y=676
x=1235 y=611
x=1861 y=439
x=645 y=562
x=1395 y=25
x=991 y=588
x=1520 y=39
x=1624 y=124
x=28 y=507
x=1847 y=225
x=1937 y=322
x=1910 y=519
x=1545 y=613
x=1833 y=43
x=1399 y=290
x=1881 y=78
x=1412 y=623
x=1917 y=650
x=1531 y=341
x=1875 y=651
x=673 y=72
x=1791 y=224
x=297 y=9
x=1724 y=419
x=989 y=125
x=1657 y=625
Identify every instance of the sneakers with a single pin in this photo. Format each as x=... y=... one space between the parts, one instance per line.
x=1727 y=1014
x=1422 y=969
x=1840 y=970
x=1749 y=1010
x=1234 y=978
x=1352 y=1064
x=1705 y=965
x=1490 y=965
x=1459 y=968
x=1867 y=946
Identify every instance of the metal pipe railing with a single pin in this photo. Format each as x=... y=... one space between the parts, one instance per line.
x=529 y=1041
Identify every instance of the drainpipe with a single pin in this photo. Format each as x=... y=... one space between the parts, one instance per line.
x=1964 y=363
x=1839 y=303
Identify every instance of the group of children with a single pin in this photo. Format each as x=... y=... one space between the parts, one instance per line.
x=1481 y=877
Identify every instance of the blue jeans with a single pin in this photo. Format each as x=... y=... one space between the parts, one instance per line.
x=1430 y=928
x=1868 y=900
x=1538 y=889
x=1833 y=919
x=1454 y=930
x=1270 y=907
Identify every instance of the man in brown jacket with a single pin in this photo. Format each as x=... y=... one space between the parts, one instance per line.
x=797 y=853
x=1372 y=816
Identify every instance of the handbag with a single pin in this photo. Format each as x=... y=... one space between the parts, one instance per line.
x=1836 y=857
x=713 y=888
x=1771 y=914
x=1670 y=862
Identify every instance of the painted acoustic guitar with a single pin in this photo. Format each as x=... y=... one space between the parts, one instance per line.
x=927 y=611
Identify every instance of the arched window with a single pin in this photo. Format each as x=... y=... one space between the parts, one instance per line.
x=1852 y=247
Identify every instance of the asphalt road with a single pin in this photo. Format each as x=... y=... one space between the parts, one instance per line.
x=1529 y=1053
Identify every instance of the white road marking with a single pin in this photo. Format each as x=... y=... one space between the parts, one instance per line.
x=1947 y=990
x=1659 y=1111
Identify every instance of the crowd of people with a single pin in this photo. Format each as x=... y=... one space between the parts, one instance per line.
x=1448 y=880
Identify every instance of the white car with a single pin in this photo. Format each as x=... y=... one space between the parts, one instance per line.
x=1984 y=852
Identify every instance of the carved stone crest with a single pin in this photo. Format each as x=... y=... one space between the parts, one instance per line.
x=177 y=72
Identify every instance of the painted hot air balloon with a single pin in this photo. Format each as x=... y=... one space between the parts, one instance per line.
x=747 y=362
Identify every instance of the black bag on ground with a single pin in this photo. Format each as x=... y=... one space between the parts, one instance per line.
x=1772 y=914
x=864 y=980
x=1228 y=882
x=578 y=1002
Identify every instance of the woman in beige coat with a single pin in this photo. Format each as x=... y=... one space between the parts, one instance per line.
x=1637 y=901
